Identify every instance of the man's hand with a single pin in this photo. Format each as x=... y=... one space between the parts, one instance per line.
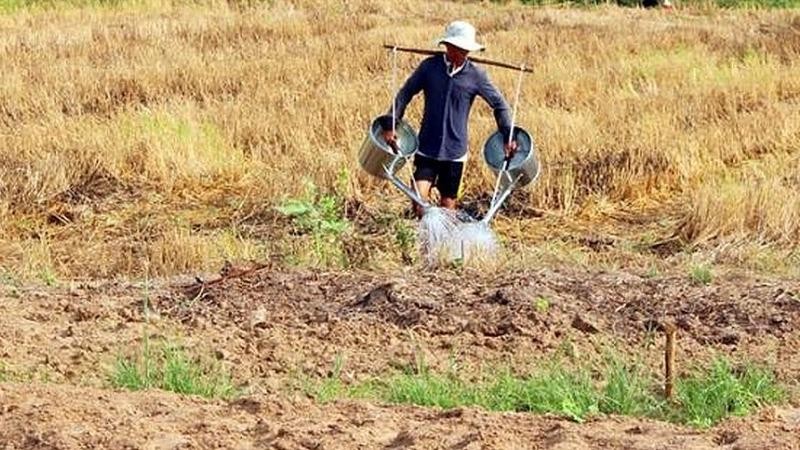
x=510 y=149
x=390 y=137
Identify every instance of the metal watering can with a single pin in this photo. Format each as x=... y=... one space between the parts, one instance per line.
x=375 y=153
x=382 y=160
x=519 y=170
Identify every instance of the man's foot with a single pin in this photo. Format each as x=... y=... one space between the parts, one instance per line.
x=464 y=216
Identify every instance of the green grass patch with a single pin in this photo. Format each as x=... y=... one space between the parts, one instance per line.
x=169 y=368
x=425 y=388
x=701 y=274
x=629 y=389
x=35 y=374
x=331 y=387
x=703 y=397
x=709 y=395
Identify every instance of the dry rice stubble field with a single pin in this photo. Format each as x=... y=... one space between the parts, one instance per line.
x=157 y=139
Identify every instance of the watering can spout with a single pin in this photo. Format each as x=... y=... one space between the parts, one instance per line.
x=405 y=189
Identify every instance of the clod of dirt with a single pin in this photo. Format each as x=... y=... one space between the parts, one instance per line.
x=500 y=297
x=404 y=439
x=566 y=440
x=259 y=318
x=584 y=325
x=635 y=430
x=726 y=437
x=379 y=294
x=730 y=337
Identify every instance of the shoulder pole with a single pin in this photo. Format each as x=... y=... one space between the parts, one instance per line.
x=521 y=67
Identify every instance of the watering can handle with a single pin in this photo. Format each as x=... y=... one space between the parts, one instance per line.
x=394 y=147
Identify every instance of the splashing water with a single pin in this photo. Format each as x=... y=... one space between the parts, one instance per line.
x=437 y=228
x=445 y=238
x=477 y=241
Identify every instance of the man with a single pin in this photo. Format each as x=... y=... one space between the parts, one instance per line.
x=450 y=83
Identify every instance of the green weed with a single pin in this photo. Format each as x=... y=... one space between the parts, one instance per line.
x=405 y=237
x=321 y=216
x=542 y=304
x=170 y=369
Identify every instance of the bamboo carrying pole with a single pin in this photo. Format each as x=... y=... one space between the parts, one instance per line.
x=522 y=67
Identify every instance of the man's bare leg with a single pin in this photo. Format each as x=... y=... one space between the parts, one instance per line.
x=448 y=202
x=424 y=191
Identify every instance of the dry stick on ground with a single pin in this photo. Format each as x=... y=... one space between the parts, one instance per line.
x=198 y=288
x=669 y=359
x=523 y=67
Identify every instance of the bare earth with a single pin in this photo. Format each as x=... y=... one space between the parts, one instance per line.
x=269 y=328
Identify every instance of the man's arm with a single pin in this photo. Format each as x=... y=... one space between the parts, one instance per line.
x=412 y=87
x=502 y=113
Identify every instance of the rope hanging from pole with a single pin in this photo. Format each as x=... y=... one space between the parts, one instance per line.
x=394 y=114
x=394 y=89
x=504 y=170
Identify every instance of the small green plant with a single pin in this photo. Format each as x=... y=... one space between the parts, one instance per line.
x=457 y=264
x=170 y=369
x=542 y=304
x=652 y=272
x=322 y=217
x=7 y=278
x=330 y=387
x=708 y=396
x=48 y=276
x=9 y=284
x=701 y=274
x=405 y=237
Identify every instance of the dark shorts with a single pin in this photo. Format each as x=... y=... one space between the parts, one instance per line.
x=445 y=175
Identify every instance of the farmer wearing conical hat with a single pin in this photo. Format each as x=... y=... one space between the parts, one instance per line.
x=450 y=83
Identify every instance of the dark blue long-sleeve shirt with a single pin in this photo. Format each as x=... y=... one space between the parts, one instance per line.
x=448 y=100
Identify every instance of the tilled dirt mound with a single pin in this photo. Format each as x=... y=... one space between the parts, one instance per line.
x=66 y=417
x=270 y=327
x=378 y=323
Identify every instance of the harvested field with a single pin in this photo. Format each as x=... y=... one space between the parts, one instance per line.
x=270 y=327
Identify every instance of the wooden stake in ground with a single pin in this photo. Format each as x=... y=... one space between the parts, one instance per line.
x=669 y=359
